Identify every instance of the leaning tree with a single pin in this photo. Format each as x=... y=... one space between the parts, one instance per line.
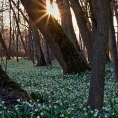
x=65 y=52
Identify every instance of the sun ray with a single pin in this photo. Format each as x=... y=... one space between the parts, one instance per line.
x=40 y=18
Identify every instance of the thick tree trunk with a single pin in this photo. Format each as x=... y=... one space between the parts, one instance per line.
x=63 y=49
x=96 y=93
x=10 y=91
x=113 y=46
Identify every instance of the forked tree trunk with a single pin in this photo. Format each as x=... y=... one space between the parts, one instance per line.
x=10 y=91
x=63 y=49
x=96 y=93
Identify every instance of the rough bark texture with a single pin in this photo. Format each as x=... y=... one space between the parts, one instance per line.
x=10 y=91
x=63 y=49
x=96 y=93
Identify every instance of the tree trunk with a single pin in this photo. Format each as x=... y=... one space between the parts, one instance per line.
x=70 y=29
x=4 y=47
x=38 y=50
x=64 y=50
x=96 y=92
x=47 y=53
x=83 y=28
x=113 y=46
x=62 y=14
x=10 y=91
x=30 y=43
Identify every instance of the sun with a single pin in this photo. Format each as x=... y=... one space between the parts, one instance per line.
x=52 y=9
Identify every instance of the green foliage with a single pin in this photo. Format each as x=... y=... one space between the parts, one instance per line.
x=56 y=95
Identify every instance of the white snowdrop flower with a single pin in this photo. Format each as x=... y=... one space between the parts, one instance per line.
x=36 y=110
x=18 y=100
x=57 y=101
x=84 y=109
x=4 y=107
x=39 y=105
x=105 y=116
x=30 y=100
x=42 y=113
x=91 y=111
x=49 y=100
x=30 y=105
x=16 y=108
x=95 y=114
x=38 y=117
x=38 y=100
x=43 y=106
x=49 y=106
x=62 y=115
x=3 y=102
x=68 y=112
x=72 y=109
x=88 y=106
x=73 y=104
x=55 y=106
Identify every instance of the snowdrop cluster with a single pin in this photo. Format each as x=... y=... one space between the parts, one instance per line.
x=57 y=95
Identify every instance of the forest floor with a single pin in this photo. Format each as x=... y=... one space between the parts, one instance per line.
x=56 y=95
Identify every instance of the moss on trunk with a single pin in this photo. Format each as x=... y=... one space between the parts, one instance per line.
x=10 y=90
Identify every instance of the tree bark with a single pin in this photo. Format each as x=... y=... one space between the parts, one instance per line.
x=62 y=12
x=64 y=50
x=38 y=50
x=10 y=91
x=83 y=28
x=4 y=47
x=96 y=92
x=113 y=47
x=70 y=29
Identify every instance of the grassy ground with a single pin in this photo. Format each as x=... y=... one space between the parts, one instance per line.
x=57 y=95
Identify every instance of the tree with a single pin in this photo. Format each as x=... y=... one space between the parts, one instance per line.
x=69 y=25
x=10 y=91
x=96 y=92
x=37 y=46
x=83 y=28
x=4 y=47
x=64 y=50
x=113 y=46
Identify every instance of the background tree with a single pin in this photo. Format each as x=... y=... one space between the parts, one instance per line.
x=96 y=93
x=113 y=45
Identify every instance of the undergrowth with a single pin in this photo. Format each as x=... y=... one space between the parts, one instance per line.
x=56 y=95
